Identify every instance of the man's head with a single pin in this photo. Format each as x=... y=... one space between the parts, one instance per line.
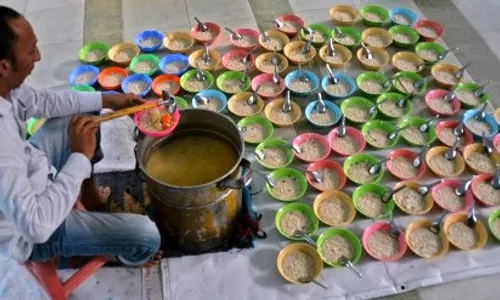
x=18 y=49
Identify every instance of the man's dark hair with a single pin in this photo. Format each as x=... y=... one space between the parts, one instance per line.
x=7 y=35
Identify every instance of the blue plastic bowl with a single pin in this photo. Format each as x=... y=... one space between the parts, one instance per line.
x=82 y=69
x=212 y=94
x=313 y=78
x=489 y=119
x=110 y=93
x=137 y=77
x=171 y=58
x=342 y=77
x=408 y=14
x=330 y=105
x=149 y=34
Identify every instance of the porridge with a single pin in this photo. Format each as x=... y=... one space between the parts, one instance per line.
x=481 y=162
x=346 y=39
x=357 y=113
x=242 y=108
x=267 y=66
x=359 y=172
x=346 y=145
x=286 y=188
x=274 y=157
x=312 y=150
x=376 y=60
x=382 y=245
x=371 y=86
x=468 y=97
x=94 y=55
x=137 y=87
x=446 y=77
x=462 y=235
x=410 y=200
x=370 y=204
x=343 y=16
x=236 y=64
x=254 y=133
x=195 y=85
x=478 y=127
x=405 y=65
x=495 y=226
x=429 y=55
x=205 y=35
x=177 y=45
x=448 y=199
x=273 y=43
x=402 y=38
x=149 y=42
x=153 y=120
x=245 y=41
x=169 y=86
x=85 y=78
x=210 y=62
x=296 y=54
x=427 y=32
x=144 y=67
x=441 y=105
x=337 y=58
x=405 y=85
x=333 y=211
x=391 y=109
x=412 y=133
x=323 y=118
x=268 y=89
x=377 y=138
x=301 y=86
x=317 y=37
x=232 y=85
x=213 y=104
x=174 y=67
x=113 y=79
x=341 y=88
x=448 y=138
x=331 y=179
x=124 y=55
x=290 y=27
x=335 y=247
x=372 y=17
x=444 y=166
x=298 y=266
x=486 y=193
x=377 y=41
x=425 y=242
x=294 y=221
x=403 y=168
x=401 y=19
x=277 y=115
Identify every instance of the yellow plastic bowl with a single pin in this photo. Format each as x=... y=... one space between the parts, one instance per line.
x=344 y=9
x=335 y=194
x=178 y=36
x=407 y=56
x=297 y=45
x=376 y=31
x=113 y=52
x=480 y=230
x=414 y=185
x=497 y=115
x=266 y=57
x=378 y=52
x=478 y=147
x=339 y=50
x=198 y=55
x=303 y=247
x=445 y=244
x=274 y=34
x=444 y=67
x=243 y=96
x=278 y=102
x=459 y=160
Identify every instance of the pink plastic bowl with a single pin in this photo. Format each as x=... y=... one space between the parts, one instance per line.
x=438 y=28
x=210 y=25
x=467 y=137
x=496 y=142
x=383 y=226
x=291 y=18
x=299 y=140
x=263 y=78
x=477 y=179
x=452 y=183
x=175 y=120
x=406 y=154
x=245 y=31
x=438 y=93
x=238 y=53
x=349 y=131
x=329 y=164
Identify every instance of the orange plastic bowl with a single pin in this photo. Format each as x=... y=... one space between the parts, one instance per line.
x=479 y=228
x=109 y=71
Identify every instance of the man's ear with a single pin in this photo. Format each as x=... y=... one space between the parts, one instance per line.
x=5 y=67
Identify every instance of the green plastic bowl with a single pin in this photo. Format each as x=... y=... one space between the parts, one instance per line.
x=151 y=58
x=374 y=188
x=192 y=73
x=233 y=75
x=428 y=46
x=259 y=120
x=471 y=87
x=382 y=12
x=411 y=75
x=361 y=157
x=83 y=88
x=33 y=124
x=351 y=31
x=417 y=122
x=402 y=29
x=346 y=234
x=93 y=46
x=288 y=172
x=371 y=75
x=325 y=31
x=274 y=143
x=494 y=215
x=378 y=124
x=356 y=101
x=394 y=97
x=181 y=103
x=303 y=208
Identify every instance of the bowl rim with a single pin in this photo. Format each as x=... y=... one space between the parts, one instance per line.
x=421 y=223
x=345 y=198
x=296 y=206
x=382 y=226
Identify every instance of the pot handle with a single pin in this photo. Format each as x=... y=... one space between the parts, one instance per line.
x=241 y=182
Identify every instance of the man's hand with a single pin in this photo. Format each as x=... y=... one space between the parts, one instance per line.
x=116 y=102
x=82 y=135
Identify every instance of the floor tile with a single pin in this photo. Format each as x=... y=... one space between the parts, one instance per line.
x=468 y=289
x=300 y=5
x=483 y=15
x=217 y=10
x=18 y=5
x=316 y=16
x=35 y=5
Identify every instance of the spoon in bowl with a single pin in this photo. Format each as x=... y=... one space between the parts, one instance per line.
x=302 y=234
x=417 y=161
x=306 y=48
x=330 y=48
x=199 y=73
x=302 y=76
x=345 y=262
x=206 y=55
x=315 y=176
x=424 y=189
x=391 y=136
x=201 y=99
x=472 y=218
x=436 y=226
x=234 y=34
x=391 y=193
x=341 y=131
x=252 y=100
x=450 y=95
x=308 y=30
x=460 y=72
x=487 y=147
x=401 y=102
x=442 y=55
x=320 y=105
x=287 y=104
x=482 y=90
x=331 y=76
x=259 y=154
x=201 y=26
x=367 y=51
x=462 y=189
x=246 y=59
x=481 y=114
x=275 y=62
x=425 y=127
x=459 y=129
x=452 y=152
x=420 y=83
x=393 y=228
x=495 y=181
x=375 y=168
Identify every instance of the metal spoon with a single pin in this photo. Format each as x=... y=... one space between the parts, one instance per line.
x=252 y=100
x=420 y=83
x=308 y=30
x=417 y=161
x=452 y=152
x=321 y=106
x=401 y=102
x=201 y=26
x=472 y=218
x=338 y=33
x=459 y=129
x=206 y=55
x=442 y=55
x=368 y=53
x=246 y=59
x=481 y=114
x=482 y=90
x=436 y=226
x=345 y=262
x=244 y=78
x=391 y=193
x=425 y=127
x=265 y=37
x=308 y=280
x=487 y=147
x=301 y=234
x=375 y=168
x=341 y=132
x=278 y=23
x=450 y=95
x=331 y=75
x=462 y=189
x=306 y=48
x=275 y=62
x=391 y=136
x=495 y=181
x=259 y=154
x=287 y=104
x=424 y=189
x=235 y=35
x=168 y=102
x=393 y=228
x=316 y=176
x=201 y=99
x=460 y=72
x=271 y=181
x=199 y=73
x=330 y=48
x=302 y=76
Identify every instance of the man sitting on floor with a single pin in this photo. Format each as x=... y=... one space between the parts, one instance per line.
x=41 y=179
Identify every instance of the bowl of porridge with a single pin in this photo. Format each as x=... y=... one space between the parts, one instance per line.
x=191 y=84
x=344 y=15
x=406 y=61
x=410 y=201
x=324 y=119
x=313 y=147
x=483 y=191
x=332 y=175
x=295 y=83
x=196 y=59
x=238 y=105
x=478 y=161
x=400 y=165
x=334 y=208
x=156 y=122
x=276 y=154
x=181 y=103
x=293 y=52
x=149 y=40
x=84 y=75
x=351 y=143
x=374 y=15
x=355 y=110
x=403 y=36
x=263 y=63
x=295 y=217
x=345 y=86
x=464 y=92
x=299 y=262
x=412 y=134
x=292 y=24
x=123 y=53
x=320 y=35
x=233 y=60
x=274 y=113
x=139 y=84
x=351 y=37
x=174 y=64
x=429 y=51
x=445 y=197
x=342 y=56
x=437 y=105
x=371 y=83
x=488 y=125
x=462 y=236
x=388 y=108
x=380 y=58
x=178 y=42
x=444 y=132
x=404 y=82
x=429 y=30
x=442 y=167
x=268 y=89
x=230 y=82
x=376 y=134
x=255 y=129
x=403 y=16
x=276 y=42
x=217 y=101
x=444 y=75
x=145 y=64
x=367 y=199
x=356 y=168
x=249 y=38
x=494 y=224
x=380 y=245
x=289 y=184
x=376 y=37
x=170 y=83
x=93 y=53
x=205 y=37
x=424 y=242
x=334 y=243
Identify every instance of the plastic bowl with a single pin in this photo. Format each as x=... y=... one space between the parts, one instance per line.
x=393 y=97
x=96 y=47
x=245 y=32
x=293 y=46
x=349 y=31
x=178 y=36
x=342 y=77
x=478 y=147
x=260 y=120
x=383 y=226
x=350 y=131
x=302 y=208
x=157 y=134
x=409 y=15
x=324 y=30
x=149 y=34
x=492 y=218
x=453 y=184
x=177 y=59
x=439 y=150
x=359 y=101
x=347 y=235
x=376 y=52
x=312 y=107
x=293 y=19
x=417 y=122
x=472 y=87
x=83 y=88
x=232 y=75
x=82 y=69
x=406 y=30
x=264 y=59
x=437 y=48
x=414 y=185
x=274 y=34
x=292 y=173
x=361 y=157
x=325 y=196
x=243 y=96
x=445 y=67
x=382 y=125
x=296 y=75
x=340 y=50
x=432 y=95
x=129 y=48
x=305 y=137
x=110 y=71
x=137 y=77
x=488 y=119
x=497 y=115
x=409 y=75
x=344 y=9
x=411 y=57
x=265 y=78
x=211 y=27
x=496 y=142
x=466 y=138
x=278 y=103
x=212 y=94
x=151 y=59
x=166 y=78
x=192 y=73
x=445 y=245
x=479 y=228
x=299 y=247
x=473 y=187
x=375 y=9
x=433 y=25
x=376 y=31
x=373 y=188
x=371 y=76
x=275 y=143
x=408 y=154
x=181 y=103
x=325 y=164
x=197 y=56
x=33 y=124
x=237 y=54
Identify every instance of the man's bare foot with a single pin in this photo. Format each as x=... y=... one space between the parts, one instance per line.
x=103 y=193
x=154 y=260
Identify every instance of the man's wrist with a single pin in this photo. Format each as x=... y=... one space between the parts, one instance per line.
x=108 y=101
